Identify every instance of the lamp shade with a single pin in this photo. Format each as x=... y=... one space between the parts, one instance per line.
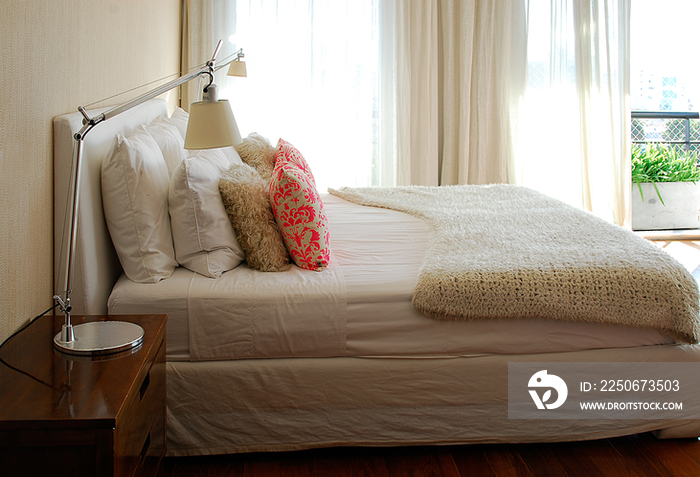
x=211 y=125
x=237 y=68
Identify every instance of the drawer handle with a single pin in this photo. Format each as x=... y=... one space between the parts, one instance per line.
x=144 y=385
x=146 y=445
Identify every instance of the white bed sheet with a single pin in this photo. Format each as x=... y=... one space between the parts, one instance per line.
x=360 y=307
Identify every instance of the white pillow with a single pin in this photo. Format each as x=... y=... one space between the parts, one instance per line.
x=223 y=157
x=232 y=155
x=180 y=118
x=203 y=236
x=135 y=184
x=168 y=138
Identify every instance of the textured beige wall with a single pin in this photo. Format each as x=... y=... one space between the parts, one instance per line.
x=57 y=55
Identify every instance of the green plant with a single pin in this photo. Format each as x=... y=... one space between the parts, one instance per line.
x=661 y=163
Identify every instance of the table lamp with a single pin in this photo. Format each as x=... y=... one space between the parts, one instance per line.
x=211 y=125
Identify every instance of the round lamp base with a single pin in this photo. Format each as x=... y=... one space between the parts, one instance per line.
x=101 y=337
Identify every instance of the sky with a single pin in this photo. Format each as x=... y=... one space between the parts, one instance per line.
x=664 y=39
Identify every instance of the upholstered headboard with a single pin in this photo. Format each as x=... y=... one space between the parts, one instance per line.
x=96 y=267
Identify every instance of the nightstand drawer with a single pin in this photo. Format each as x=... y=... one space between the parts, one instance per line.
x=101 y=416
x=153 y=449
x=139 y=436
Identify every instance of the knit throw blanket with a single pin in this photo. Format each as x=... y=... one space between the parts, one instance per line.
x=503 y=251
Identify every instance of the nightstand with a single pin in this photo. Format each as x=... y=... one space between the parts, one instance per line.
x=82 y=416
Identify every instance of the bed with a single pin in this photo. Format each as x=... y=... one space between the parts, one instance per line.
x=299 y=359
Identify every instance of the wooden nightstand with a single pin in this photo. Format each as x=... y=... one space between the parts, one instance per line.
x=81 y=416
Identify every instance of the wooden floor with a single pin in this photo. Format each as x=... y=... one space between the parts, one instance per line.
x=639 y=455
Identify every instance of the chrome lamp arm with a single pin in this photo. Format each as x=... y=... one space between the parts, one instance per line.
x=91 y=340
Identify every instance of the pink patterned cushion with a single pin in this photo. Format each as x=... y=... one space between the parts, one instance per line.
x=288 y=154
x=298 y=211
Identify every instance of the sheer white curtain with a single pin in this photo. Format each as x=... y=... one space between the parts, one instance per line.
x=460 y=69
x=204 y=22
x=387 y=92
x=573 y=137
x=373 y=92
x=313 y=78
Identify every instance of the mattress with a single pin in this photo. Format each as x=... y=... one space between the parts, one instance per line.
x=360 y=306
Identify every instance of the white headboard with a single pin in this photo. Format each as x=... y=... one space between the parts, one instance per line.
x=96 y=267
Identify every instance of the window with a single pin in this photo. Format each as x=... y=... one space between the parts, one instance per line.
x=313 y=79
x=664 y=75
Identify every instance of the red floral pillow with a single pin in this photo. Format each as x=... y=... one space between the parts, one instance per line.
x=298 y=211
x=288 y=154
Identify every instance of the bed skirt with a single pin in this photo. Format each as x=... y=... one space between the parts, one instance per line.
x=293 y=404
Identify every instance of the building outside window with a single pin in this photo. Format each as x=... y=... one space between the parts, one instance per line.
x=664 y=75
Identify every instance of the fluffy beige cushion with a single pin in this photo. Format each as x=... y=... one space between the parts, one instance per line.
x=247 y=203
x=257 y=152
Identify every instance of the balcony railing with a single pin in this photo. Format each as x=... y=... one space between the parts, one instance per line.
x=680 y=129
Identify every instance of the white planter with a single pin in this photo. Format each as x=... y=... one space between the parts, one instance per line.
x=682 y=209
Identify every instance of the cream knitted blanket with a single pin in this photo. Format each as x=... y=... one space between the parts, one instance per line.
x=504 y=251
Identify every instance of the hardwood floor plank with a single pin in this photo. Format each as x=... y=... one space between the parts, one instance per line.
x=636 y=456
x=333 y=463
x=331 y=468
x=262 y=469
x=418 y=462
x=471 y=461
x=204 y=466
x=283 y=464
x=505 y=461
x=372 y=466
x=640 y=455
x=540 y=460
x=575 y=458
x=298 y=464
x=670 y=454
x=691 y=447
x=352 y=462
x=608 y=460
